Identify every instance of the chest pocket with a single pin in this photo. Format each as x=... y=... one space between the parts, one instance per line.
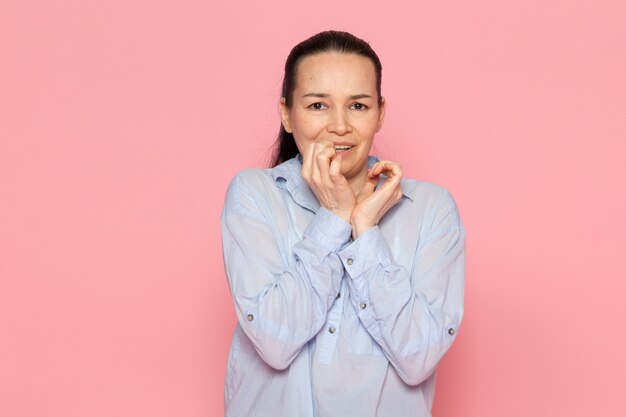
x=353 y=336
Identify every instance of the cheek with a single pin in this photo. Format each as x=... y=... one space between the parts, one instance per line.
x=303 y=137
x=305 y=129
x=369 y=128
x=368 y=122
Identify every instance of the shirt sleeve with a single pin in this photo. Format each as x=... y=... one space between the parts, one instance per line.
x=413 y=315
x=280 y=304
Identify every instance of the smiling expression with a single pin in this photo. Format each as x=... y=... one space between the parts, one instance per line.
x=335 y=99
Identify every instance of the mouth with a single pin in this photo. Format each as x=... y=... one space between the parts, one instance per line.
x=342 y=148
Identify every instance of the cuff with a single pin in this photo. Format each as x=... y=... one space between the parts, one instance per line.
x=368 y=250
x=328 y=230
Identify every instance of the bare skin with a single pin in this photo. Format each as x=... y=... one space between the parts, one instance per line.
x=334 y=116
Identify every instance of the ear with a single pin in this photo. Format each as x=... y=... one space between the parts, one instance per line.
x=381 y=115
x=284 y=114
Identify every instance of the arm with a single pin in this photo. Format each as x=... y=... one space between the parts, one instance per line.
x=280 y=308
x=413 y=316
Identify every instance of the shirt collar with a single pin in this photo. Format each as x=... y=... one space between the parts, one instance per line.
x=288 y=176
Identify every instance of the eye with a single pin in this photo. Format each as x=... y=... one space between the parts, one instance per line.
x=359 y=106
x=317 y=106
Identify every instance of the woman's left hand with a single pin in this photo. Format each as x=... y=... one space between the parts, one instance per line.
x=373 y=204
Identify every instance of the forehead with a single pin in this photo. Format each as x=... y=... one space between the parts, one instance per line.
x=336 y=73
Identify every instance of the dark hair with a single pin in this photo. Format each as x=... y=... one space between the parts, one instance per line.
x=329 y=41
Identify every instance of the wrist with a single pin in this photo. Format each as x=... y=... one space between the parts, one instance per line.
x=343 y=213
x=358 y=228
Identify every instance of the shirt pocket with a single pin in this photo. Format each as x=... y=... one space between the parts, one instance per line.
x=354 y=337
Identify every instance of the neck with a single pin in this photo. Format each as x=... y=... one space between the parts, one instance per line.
x=357 y=181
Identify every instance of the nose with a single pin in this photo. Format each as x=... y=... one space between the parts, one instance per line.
x=339 y=122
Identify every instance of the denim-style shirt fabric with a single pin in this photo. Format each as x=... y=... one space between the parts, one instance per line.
x=330 y=326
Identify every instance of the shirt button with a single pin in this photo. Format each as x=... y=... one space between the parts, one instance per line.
x=350 y=261
x=338 y=295
x=451 y=331
x=363 y=306
x=250 y=317
x=332 y=329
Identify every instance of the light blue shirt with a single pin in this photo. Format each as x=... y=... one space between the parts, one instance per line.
x=328 y=326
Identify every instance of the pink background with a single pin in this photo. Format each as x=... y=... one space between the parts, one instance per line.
x=121 y=123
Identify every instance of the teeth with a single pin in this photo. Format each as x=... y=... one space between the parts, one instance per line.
x=342 y=148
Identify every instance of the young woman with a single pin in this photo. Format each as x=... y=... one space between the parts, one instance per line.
x=347 y=278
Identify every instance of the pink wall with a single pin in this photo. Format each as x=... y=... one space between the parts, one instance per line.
x=121 y=123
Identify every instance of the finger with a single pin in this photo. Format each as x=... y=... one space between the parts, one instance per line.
x=323 y=158
x=324 y=153
x=376 y=169
x=312 y=168
x=334 y=170
x=322 y=144
x=391 y=183
x=390 y=169
x=393 y=172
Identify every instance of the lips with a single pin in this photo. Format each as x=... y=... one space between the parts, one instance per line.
x=342 y=148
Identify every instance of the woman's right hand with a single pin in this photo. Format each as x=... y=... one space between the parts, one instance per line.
x=321 y=169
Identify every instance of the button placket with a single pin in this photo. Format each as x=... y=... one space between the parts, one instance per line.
x=328 y=335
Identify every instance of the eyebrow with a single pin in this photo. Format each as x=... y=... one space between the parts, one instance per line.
x=323 y=95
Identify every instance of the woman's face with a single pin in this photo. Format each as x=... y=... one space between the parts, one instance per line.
x=335 y=99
